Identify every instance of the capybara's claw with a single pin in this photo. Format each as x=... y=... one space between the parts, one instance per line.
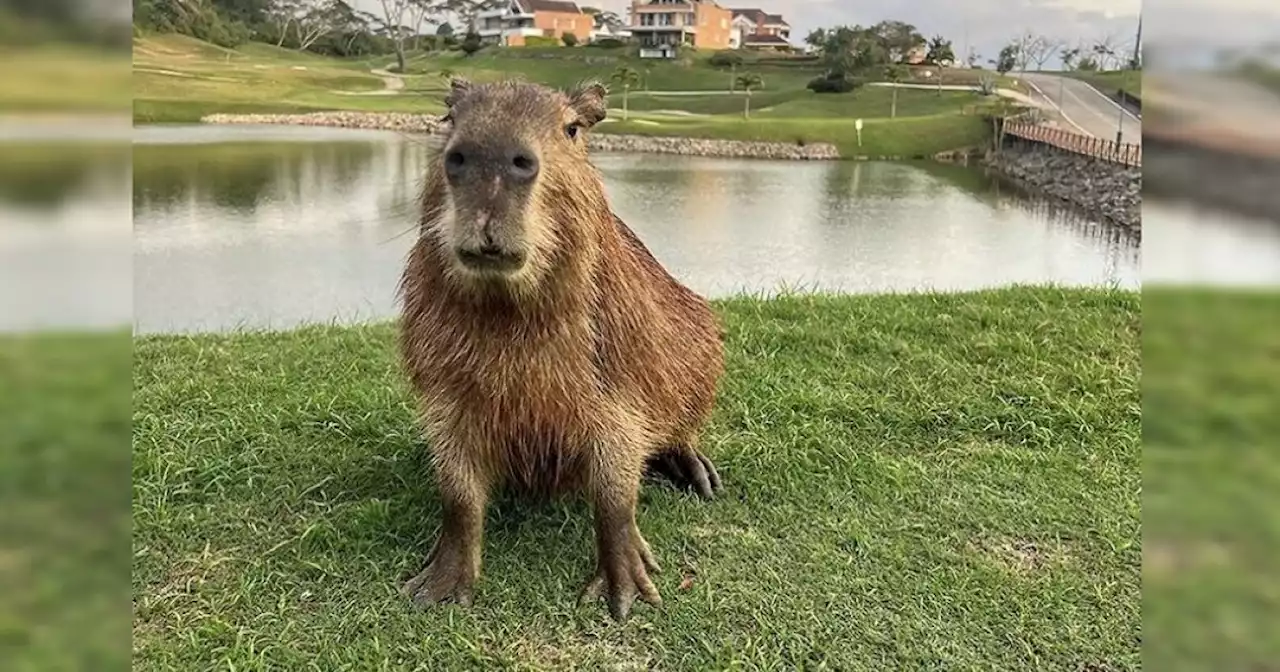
x=688 y=469
x=623 y=578
x=446 y=579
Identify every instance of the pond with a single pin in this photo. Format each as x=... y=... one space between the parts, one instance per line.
x=272 y=226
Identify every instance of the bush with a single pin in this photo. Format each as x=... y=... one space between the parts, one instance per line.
x=725 y=59
x=541 y=41
x=569 y=39
x=608 y=43
x=471 y=43
x=832 y=83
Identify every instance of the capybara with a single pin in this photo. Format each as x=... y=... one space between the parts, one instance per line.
x=550 y=351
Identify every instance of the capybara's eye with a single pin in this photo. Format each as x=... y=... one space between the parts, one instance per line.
x=571 y=130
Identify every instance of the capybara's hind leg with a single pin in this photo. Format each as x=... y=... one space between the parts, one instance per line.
x=687 y=468
x=453 y=565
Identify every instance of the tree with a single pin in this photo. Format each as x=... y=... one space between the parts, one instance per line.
x=940 y=51
x=1104 y=52
x=894 y=74
x=1008 y=58
x=569 y=39
x=319 y=18
x=471 y=43
x=609 y=20
x=468 y=10
x=898 y=39
x=1038 y=49
x=420 y=12
x=749 y=81
x=1069 y=57
x=816 y=38
x=627 y=77
x=392 y=21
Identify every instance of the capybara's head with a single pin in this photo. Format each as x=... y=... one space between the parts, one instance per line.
x=512 y=178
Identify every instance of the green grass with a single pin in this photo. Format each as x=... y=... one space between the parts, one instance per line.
x=64 y=469
x=1115 y=80
x=927 y=481
x=1211 y=478
x=260 y=78
x=566 y=67
x=908 y=137
x=868 y=102
x=63 y=78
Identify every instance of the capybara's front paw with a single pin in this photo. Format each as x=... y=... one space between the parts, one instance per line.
x=688 y=469
x=448 y=578
x=622 y=576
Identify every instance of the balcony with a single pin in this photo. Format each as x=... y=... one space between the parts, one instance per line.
x=690 y=30
x=659 y=9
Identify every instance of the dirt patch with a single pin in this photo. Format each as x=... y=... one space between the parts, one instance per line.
x=580 y=652
x=1162 y=559
x=1020 y=556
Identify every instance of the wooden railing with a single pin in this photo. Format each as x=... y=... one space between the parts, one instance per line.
x=1099 y=148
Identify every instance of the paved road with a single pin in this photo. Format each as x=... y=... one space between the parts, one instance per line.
x=1084 y=107
x=1214 y=109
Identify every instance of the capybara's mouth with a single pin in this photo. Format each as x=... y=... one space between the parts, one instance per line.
x=491 y=259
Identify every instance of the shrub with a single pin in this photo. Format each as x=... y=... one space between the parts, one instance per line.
x=541 y=41
x=608 y=43
x=725 y=59
x=832 y=83
x=471 y=43
x=569 y=39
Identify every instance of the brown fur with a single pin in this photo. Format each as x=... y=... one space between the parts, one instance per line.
x=566 y=376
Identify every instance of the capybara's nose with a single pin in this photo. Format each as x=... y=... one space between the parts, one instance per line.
x=466 y=160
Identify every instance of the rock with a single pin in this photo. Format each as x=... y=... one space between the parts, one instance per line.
x=1102 y=188
x=600 y=142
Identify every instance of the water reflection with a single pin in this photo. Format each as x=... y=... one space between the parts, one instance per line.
x=300 y=228
x=64 y=235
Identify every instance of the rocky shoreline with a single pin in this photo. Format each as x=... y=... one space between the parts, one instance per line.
x=1104 y=189
x=601 y=142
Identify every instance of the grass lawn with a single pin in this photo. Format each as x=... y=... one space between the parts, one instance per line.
x=906 y=137
x=63 y=78
x=1112 y=81
x=868 y=102
x=911 y=481
x=1211 y=478
x=180 y=79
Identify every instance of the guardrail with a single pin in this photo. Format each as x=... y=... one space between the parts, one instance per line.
x=1099 y=148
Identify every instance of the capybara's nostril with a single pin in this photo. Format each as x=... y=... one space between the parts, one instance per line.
x=524 y=166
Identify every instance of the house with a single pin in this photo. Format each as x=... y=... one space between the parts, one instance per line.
x=757 y=29
x=608 y=30
x=514 y=22
x=766 y=42
x=663 y=26
x=759 y=22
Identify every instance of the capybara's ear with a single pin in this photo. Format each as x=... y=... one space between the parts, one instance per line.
x=459 y=87
x=588 y=100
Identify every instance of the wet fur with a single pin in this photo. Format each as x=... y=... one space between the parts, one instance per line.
x=596 y=361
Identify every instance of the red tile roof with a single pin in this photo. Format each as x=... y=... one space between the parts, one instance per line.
x=531 y=6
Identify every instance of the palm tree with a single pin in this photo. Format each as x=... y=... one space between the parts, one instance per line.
x=894 y=74
x=627 y=77
x=748 y=81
